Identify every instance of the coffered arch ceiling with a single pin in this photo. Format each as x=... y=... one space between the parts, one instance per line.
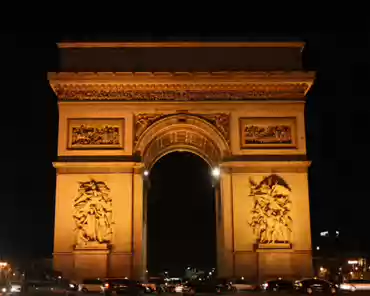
x=182 y=132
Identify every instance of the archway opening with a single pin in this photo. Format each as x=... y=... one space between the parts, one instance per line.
x=181 y=218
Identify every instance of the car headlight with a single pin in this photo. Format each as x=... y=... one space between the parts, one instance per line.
x=265 y=285
x=3 y=290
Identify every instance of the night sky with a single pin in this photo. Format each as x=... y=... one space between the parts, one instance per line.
x=338 y=115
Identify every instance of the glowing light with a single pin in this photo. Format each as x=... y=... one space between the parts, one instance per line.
x=216 y=172
x=317 y=248
x=324 y=233
x=146 y=173
x=352 y=262
x=321 y=269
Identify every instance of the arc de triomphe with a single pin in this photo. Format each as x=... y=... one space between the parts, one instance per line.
x=239 y=106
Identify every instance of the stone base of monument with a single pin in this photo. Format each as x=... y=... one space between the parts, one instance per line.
x=91 y=260
x=91 y=246
x=274 y=246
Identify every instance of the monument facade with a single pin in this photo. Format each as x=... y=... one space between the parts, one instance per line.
x=239 y=106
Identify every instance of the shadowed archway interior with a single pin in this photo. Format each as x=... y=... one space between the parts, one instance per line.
x=187 y=237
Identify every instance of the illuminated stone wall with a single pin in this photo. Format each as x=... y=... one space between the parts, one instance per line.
x=237 y=235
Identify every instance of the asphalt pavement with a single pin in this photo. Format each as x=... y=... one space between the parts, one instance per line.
x=251 y=293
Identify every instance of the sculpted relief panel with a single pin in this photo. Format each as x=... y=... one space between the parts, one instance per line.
x=270 y=216
x=96 y=134
x=262 y=133
x=92 y=213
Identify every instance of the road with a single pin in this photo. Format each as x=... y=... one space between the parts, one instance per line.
x=362 y=293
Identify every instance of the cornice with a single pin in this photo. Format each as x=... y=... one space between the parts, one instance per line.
x=180 y=86
x=178 y=44
x=182 y=77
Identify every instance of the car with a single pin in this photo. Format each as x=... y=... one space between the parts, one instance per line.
x=278 y=285
x=90 y=285
x=311 y=285
x=355 y=285
x=15 y=287
x=243 y=285
x=122 y=286
x=47 y=288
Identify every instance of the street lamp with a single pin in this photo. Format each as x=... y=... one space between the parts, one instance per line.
x=146 y=173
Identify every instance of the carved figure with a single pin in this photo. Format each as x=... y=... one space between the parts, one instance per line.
x=93 y=212
x=271 y=220
x=143 y=121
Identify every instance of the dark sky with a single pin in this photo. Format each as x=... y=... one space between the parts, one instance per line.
x=338 y=115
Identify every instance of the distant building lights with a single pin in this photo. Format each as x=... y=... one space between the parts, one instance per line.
x=324 y=233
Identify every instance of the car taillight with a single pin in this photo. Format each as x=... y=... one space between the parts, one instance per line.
x=106 y=285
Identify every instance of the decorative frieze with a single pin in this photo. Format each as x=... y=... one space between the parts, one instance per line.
x=266 y=132
x=96 y=133
x=178 y=92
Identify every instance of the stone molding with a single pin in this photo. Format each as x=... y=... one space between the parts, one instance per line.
x=98 y=167
x=180 y=86
x=266 y=167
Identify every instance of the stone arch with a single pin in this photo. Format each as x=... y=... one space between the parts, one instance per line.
x=182 y=132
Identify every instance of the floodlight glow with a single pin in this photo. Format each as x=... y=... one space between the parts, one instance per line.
x=216 y=172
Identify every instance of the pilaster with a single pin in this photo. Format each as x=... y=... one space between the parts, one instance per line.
x=138 y=226
x=225 y=258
